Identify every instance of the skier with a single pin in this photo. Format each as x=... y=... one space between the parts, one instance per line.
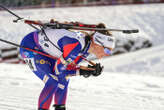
x=70 y=48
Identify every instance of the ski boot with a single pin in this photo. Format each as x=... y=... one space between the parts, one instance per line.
x=59 y=107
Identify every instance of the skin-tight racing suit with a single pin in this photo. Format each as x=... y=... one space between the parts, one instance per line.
x=68 y=47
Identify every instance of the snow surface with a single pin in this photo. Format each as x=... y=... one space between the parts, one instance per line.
x=132 y=81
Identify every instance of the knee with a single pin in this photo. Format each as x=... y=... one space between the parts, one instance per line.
x=50 y=81
x=59 y=107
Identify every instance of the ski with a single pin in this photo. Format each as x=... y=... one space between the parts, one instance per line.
x=57 y=25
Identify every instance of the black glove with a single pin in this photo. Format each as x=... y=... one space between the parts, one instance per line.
x=102 y=25
x=98 y=69
x=86 y=73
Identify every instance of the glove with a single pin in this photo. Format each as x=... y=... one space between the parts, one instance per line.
x=98 y=69
x=102 y=25
x=86 y=73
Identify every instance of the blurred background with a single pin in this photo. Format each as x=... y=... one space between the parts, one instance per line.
x=66 y=3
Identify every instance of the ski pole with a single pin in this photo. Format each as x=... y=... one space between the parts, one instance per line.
x=11 y=12
x=18 y=17
x=32 y=50
x=41 y=53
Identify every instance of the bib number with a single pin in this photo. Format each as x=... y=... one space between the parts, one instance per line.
x=31 y=63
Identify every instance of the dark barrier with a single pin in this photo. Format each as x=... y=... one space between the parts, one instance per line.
x=10 y=55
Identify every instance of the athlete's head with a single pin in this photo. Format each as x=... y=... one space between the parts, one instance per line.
x=102 y=45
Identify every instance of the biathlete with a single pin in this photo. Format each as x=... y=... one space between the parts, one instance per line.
x=70 y=48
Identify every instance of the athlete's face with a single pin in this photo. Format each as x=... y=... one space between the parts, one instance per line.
x=98 y=51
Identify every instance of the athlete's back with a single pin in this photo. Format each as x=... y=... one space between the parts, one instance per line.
x=53 y=41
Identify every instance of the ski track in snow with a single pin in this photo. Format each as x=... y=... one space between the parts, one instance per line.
x=132 y=81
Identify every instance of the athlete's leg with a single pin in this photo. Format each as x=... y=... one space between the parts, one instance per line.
x=60 y=96
x=42 y=67
x=46 y=95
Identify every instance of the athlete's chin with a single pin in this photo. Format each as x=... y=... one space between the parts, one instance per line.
x=99 y=56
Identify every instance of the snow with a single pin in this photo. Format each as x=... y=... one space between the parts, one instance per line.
x=132 y=81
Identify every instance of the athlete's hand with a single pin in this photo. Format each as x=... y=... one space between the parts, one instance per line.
x=86 y=73
x=98 y=69
x=96 y=72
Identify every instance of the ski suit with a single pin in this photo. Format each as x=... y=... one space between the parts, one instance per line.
x=68 y=47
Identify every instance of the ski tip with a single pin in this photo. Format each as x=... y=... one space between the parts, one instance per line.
x=135 y=31
x=130 y=31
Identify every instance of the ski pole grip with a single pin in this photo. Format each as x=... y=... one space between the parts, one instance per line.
x=130 y=31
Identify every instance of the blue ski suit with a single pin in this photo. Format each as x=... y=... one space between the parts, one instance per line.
x=68 y=47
